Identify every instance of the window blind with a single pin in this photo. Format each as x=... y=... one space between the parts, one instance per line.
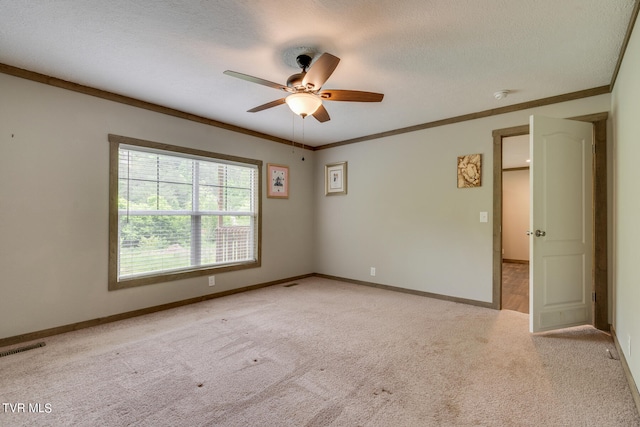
x=178 y=212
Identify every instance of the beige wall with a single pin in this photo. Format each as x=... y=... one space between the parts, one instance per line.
x=626 y=127
x=515 y=215
x=404 y=215
x=54 y=169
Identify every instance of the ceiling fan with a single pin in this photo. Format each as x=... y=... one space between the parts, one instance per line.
x=305 y=88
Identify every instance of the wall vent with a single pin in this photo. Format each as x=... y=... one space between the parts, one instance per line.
x=21 y=349
x=290 y=285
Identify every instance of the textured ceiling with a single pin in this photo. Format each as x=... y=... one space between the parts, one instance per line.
x=433 y=59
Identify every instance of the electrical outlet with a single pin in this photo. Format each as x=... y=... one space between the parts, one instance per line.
x=373 y=271
x=212 y=280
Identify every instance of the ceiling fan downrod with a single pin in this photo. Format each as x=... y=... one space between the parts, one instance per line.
x=304 y=61
x=295 y=80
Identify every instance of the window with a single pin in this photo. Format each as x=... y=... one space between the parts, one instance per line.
x=178 y=213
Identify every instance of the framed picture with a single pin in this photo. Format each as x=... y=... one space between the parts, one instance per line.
x=470 y=171
x=277 y=181
x=335 y=179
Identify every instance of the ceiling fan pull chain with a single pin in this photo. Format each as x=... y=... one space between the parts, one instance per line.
x=303 y=139
x=293 y=133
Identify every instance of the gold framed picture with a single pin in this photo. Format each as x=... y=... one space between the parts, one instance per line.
x=470 y=171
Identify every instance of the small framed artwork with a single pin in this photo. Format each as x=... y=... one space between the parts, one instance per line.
x=277 y=181
x=470 y=171
x=335 y=179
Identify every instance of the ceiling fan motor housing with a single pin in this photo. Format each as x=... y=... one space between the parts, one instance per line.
x=295 y=80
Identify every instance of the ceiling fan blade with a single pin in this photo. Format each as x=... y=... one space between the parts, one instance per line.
x=320 y=71
x=267 y=105
x=256 y=80
x=321 y=114
x=350 y=95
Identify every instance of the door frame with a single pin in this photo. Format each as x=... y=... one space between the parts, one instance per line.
x=600 y=259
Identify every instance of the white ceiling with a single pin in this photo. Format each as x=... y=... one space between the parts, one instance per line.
x=433 y=59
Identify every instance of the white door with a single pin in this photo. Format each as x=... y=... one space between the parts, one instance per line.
x=560 y=282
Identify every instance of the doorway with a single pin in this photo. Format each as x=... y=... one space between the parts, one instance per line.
x=600 y=260
x=515 y=223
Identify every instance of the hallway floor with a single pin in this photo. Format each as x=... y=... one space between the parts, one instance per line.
x=515 y=287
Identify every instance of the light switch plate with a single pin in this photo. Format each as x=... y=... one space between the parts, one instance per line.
x=484 y=217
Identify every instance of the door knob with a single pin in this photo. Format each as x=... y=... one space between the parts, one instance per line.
x=540 y=233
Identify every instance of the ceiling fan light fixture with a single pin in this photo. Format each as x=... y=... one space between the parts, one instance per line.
x=303 y=103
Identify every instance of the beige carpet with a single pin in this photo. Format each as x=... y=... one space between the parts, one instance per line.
x=322 y=353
